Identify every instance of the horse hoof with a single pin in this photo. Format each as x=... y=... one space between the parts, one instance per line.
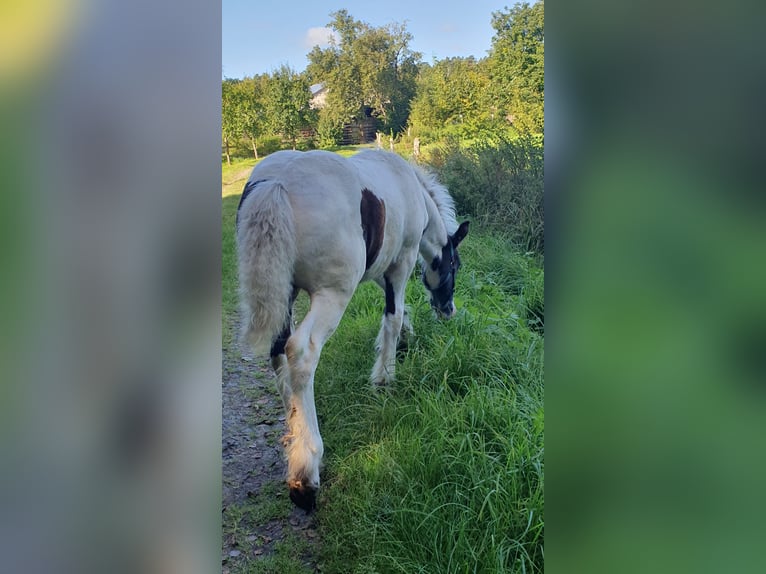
x=304 y=497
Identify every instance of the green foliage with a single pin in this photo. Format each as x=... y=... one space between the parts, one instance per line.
x=500 y=184
x=231 y=121
x=329 y=129
x=252 y=109
x=243 y=112
x=450 y=99
x=517 y=62
x=368 y=68
x=287 y=108
x=372 y=70
x=502 y=94
x=443 y=472
x=271 y=144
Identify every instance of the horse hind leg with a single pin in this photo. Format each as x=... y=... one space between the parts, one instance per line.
x=279 y=358
x=304 y=443
x=281 y=368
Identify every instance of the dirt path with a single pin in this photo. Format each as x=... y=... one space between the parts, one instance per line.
x=238 y=177
x=260 y=524
x=236 y=183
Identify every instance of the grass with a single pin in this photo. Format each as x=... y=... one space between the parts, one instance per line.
x=349 y=150
x=229 y=269
x=238 y=525
x=443 y=472
x=235 y=175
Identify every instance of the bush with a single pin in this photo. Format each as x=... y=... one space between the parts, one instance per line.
x=329 y=131
x=499 y=184
x=269 y=145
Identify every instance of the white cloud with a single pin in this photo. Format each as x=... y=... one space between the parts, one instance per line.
x=318 y=36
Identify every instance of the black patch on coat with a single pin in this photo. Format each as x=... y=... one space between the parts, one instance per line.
x=278 y=346
x=460 y=234
x=390 y=303
x=249 y=187
x=446 y=264
x=373 y=212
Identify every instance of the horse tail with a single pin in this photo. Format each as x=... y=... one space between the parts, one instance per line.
x=266 y=254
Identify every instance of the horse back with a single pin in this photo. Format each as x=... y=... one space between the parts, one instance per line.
x=353 y=216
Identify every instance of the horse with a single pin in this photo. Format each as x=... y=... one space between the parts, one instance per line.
x=322 y=223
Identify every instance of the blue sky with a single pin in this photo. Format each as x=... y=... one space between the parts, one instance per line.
x=260 y=36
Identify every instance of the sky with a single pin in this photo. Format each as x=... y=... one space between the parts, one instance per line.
x=260 y=36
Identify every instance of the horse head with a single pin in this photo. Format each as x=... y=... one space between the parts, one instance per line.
x=439 y=276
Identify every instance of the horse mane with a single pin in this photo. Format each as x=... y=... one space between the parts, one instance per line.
x=441 y=197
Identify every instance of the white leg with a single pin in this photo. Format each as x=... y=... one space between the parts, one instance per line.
x=388 y=337
x=407 y=331
x=282 y=370
x=391 y=326
x=304 y=443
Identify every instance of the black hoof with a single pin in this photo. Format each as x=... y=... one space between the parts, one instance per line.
x=304 y=497
x=381 y=386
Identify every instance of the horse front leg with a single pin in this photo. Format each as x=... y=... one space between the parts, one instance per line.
x=407 y=333
x=394 y=283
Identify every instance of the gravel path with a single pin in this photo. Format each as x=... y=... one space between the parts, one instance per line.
x=257 y=512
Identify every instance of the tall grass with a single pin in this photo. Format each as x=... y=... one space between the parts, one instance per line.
x=499 y=183
x=443 y=471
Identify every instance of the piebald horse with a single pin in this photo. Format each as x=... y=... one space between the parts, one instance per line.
x=323 y=223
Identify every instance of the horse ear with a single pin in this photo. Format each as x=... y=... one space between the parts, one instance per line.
x=460 y=234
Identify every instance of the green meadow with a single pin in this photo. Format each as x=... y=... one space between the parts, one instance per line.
x=444 y=470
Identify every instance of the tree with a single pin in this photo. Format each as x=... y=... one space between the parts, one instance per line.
x=287 y=106
x=517 y=63
x=231 y=119
x=388 y=71
x=366 y=68
x=252 y=108
x=451 y=98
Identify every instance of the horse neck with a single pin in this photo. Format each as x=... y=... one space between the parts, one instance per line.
x=435 y=232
